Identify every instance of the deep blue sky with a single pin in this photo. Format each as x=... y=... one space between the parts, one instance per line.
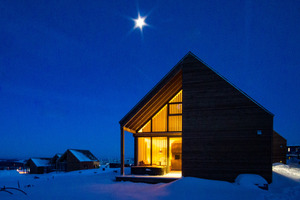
x=70 y=70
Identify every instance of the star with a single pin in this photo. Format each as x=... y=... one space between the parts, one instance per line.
x=140 y=22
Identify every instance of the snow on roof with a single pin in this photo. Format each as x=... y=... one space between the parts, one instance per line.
x=41 y=162
x=58 y=155
x=83 y=155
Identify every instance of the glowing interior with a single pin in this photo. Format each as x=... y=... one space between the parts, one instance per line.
x=167 y=119
x=162 y=150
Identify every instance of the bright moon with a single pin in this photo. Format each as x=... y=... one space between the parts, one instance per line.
x=140 y=22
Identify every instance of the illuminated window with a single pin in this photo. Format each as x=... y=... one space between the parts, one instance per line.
x=146 y=127
x=144 y=151
x=177 y=98
x=159 y=151
x=159 y=121
x=175 y=108
x=175 y=123
x=169 y=118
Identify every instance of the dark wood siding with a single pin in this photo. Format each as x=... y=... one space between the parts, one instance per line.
x=279 y=148
x=220 y=123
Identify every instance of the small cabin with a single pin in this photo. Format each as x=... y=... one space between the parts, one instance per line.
x=75 y=159
x=39 y=165
x=196 y=123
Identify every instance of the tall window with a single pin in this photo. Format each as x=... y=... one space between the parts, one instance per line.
x=159 y=121
x=168 y=119
x=159 y=151
x=144 y=151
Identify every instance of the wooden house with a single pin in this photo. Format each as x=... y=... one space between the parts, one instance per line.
x=197 y=122
x=39 y=165
x=279 y=148
x=75 y=159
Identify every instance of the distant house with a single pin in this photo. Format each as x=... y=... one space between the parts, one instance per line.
x=279 y=148
x=54 y=160
x=39 y=165
x=75 y=159
x=293 y=154
x=196 y=122
x=293 y=151
x=11 y=164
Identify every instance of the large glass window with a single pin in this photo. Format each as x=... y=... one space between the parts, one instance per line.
x=168 y=119
x=144 y=151
x=157 y=147
x=159 y=151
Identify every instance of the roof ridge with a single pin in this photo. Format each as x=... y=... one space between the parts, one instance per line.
x=244 y=93
x=178 y=66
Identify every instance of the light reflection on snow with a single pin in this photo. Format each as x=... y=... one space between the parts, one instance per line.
x=286 y=170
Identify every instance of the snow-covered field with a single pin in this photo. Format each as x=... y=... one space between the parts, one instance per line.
x=98 y=184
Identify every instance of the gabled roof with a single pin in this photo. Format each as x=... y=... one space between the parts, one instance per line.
x=162 y=92
x=159 y=95
x=58 y=155
x=83 y=155
x=41 y=162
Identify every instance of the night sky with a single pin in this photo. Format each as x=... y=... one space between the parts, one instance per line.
x=70 y=70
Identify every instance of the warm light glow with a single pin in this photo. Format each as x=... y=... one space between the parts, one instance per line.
x=144 y=151
x=177 y=98
x=21 y=171
x=159 y=120
x=146 y=127
x=175 y=152
x=174 y=174
x=159 y=151
x=140 y=22
x=155 y=152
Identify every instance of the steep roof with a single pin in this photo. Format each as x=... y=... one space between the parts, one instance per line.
x=162 y=92
x=83 y=155
x=159 y=95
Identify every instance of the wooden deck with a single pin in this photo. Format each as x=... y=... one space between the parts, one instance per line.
x=147 y=179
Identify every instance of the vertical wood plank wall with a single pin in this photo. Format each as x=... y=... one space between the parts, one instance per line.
x=219 y=138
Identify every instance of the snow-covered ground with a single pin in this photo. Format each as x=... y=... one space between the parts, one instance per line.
x=98 y=184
